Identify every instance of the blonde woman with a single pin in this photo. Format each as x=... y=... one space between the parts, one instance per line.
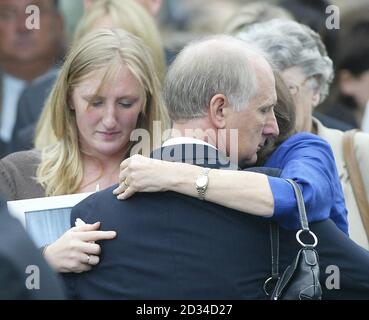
x=127 y=15
x=107 y=88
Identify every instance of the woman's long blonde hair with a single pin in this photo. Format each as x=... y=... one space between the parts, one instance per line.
x=61 y=168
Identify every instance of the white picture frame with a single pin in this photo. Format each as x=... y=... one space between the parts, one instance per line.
x=45 y=219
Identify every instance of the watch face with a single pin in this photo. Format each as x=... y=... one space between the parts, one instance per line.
x=202 y=181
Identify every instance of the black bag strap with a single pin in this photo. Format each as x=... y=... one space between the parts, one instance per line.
x=274 y=235
x=274 y=245
x=270 y=283
x=300 y=205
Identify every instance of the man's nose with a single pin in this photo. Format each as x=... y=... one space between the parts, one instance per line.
x=271 y=127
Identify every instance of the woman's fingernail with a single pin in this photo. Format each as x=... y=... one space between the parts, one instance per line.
x=120 y=197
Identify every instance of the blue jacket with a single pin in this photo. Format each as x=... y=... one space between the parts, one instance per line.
x=307 y=159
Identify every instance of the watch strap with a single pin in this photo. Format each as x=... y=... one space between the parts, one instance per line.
x=201 y=191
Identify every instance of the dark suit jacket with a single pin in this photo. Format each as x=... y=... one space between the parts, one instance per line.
x=170 y=246
x=30 y=106
x=17 y=252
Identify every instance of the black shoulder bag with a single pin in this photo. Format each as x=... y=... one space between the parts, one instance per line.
x=300 y=280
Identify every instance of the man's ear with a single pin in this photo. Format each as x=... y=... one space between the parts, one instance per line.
x=218 y=108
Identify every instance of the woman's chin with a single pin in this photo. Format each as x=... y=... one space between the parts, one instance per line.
x=110 y=149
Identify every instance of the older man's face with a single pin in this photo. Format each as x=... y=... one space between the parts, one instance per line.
x=256 y=122
x=20 y=45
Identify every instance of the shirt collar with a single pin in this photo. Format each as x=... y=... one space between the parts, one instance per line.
x=186 y=140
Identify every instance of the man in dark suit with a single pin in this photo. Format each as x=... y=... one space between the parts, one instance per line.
x=27 y=51
x=171 y=246
x=23 y=272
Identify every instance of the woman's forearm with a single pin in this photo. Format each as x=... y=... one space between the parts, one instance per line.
x=245 y=191
x=248 y=192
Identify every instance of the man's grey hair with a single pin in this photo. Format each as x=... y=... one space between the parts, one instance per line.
x=215 y=65
x=291 y=44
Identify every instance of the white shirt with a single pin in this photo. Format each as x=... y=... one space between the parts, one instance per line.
x=185 y=140
x=12 y=89
x=365 y=123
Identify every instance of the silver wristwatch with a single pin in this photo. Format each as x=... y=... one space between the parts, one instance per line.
x=202 y=183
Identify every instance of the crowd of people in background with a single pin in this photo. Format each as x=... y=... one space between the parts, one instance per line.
x=75 y=92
